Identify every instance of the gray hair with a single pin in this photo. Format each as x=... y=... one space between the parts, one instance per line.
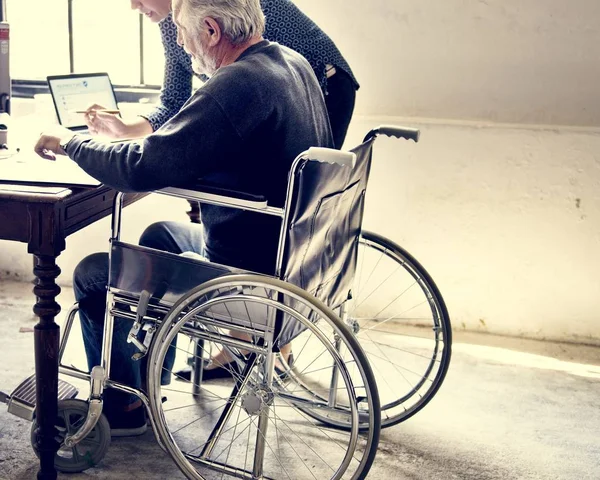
x=240 y=20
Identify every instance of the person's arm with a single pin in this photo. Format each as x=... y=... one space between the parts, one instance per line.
x=136 y=128
x=112 y=126
x=188 y=147
x=177 y=81
x=177 y=89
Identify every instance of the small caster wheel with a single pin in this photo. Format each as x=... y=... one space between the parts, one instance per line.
x=88 y=452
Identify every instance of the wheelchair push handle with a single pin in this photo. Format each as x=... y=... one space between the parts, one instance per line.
x=393 y=131
x=329 y=155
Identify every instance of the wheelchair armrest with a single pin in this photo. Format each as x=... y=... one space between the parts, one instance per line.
x=219 y=196
x=330 y=155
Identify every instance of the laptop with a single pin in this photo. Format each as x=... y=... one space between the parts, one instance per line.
x=76 y=92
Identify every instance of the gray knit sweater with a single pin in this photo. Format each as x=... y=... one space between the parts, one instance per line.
x=242 y=131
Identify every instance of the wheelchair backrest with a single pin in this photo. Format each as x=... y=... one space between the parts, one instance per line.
x=324 y=224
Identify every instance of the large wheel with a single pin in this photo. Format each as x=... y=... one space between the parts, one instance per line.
x=400 y=318
x=87 y=453
x=254 y=424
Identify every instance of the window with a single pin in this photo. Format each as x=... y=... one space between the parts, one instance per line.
x=39 y=38
x=106 y=36
x=106 y=39
x=154 y=59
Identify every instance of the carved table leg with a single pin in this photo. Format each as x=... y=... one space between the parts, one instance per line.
x=46 y=361
x=194 y=212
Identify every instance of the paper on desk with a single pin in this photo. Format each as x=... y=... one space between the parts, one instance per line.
x=27 y=168
x=32 y=189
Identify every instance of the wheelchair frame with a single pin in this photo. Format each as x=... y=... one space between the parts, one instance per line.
x=100 y=375
x=422 y=390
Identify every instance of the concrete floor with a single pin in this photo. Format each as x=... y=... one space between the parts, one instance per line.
x=509 y=409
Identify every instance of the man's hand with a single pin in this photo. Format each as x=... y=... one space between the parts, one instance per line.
x=49 y=144
x=105 y=124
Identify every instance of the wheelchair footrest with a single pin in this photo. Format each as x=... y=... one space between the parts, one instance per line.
x=21 y=401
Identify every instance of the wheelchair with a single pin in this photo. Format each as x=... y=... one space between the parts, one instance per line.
x=369 y=333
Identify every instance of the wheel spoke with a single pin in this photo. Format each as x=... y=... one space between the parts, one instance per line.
x=395 y=295
x=224 y=432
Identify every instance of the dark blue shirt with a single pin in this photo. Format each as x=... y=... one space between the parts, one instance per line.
x=286 y=24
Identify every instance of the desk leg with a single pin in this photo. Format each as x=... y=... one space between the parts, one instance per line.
x=46 y=361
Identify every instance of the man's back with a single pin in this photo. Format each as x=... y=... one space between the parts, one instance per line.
x=271 y=96
x=272 y=99
x=242 y=131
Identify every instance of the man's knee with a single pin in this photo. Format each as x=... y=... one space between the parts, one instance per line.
x=91 y=275
x=157 y=236
x=173 y=237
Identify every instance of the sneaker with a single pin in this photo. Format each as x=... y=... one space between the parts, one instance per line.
x=127 y=424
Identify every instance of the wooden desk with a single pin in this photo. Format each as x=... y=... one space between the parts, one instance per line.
x=43 y=219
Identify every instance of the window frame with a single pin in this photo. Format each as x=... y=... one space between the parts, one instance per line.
x=27 y=88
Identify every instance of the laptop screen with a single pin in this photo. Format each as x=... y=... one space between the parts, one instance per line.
x=73 y=93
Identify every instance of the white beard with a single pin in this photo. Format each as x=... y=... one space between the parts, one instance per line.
x=204 y=65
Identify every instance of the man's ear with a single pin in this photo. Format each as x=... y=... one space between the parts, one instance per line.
x=214 y=31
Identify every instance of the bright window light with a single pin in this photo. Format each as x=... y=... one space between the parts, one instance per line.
x=154 y=57
x=106 y=38
x=39 y=38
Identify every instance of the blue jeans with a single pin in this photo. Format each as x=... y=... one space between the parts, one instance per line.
x=90 y=280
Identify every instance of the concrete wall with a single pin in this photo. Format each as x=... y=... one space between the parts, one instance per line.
x=517 y=61
x=505 y=218
x=501 y=199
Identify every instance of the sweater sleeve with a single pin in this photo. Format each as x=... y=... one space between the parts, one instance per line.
x=177 y=82
x=188 y=147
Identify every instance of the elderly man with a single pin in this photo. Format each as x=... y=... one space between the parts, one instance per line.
x=241 y=130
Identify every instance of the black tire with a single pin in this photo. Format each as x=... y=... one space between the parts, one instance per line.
x=87 y=453
x=420 y=359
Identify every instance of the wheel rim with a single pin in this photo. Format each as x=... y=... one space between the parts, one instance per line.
x=401 y=321
x=289 y=428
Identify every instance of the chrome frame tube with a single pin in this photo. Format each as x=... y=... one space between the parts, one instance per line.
x=335 y=371
x=107 y=335
x=74 y=372
x=227 y=411
x=98 y=378
x=333 y=385
x=94 y=409
x=295 y=401
x=144 y=398
x=93 y=415
x=67 y=330
x=205 y=320
x=286 y=213
x=230 y=202
x=283 y=213
x=263 y=419
x=116 y=218
x=197 y=366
